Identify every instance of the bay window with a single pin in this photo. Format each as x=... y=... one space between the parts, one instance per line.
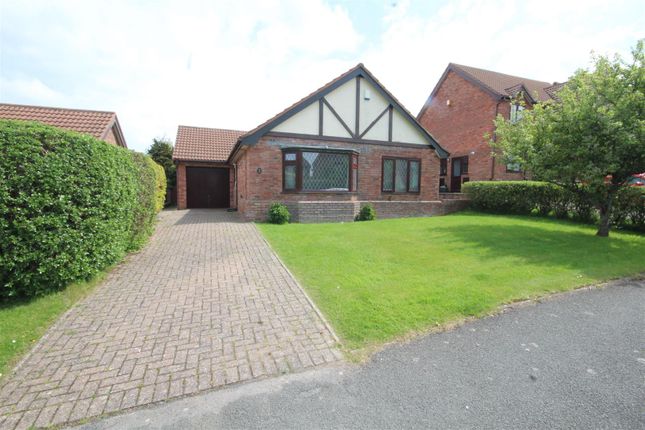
x=319 y=170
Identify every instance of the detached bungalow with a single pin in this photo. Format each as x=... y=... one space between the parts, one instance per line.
x=346 y=144
x=99 y=124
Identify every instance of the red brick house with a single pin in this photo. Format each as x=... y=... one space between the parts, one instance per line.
x=347 y=143
x=99 y=124
x=460 y=111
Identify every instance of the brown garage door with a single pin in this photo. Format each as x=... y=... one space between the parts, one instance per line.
x=207 y=187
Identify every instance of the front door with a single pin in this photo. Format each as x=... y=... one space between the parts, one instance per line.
x=455 y=176
x=207 y=187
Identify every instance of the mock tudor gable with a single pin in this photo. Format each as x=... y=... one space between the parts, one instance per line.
x=354 y=107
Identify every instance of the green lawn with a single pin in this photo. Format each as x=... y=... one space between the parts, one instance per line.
x=23 y=323
x=379 y=280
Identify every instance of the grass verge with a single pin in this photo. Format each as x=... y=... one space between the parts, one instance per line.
x=23 y=323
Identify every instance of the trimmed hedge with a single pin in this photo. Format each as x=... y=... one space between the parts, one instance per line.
x=543 y=198
x=70 y=206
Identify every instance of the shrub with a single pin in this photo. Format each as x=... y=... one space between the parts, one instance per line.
x=279 y=214
x=512 y=197
x=161 y=184
x=629 y=209
x=145 y=210
x=68 y=205
x=367 y=213
x=543 y=198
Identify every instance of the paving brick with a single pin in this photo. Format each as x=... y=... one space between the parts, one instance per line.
x=181 y=319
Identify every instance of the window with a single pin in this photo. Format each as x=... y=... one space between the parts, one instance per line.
x=401 y=175
x=443 y=167
x=516 y=112
x=309 y=170
x=513 y=167
x=459 y=166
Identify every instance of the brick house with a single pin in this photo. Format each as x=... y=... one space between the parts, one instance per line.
x=99 y=124
x=345 y=144
x=460 y=111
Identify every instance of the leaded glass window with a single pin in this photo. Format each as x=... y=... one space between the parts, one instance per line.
x=401 y=175
x=290 y=177
x=325 y=171
x=414 y=177
x=388 y=175
x=308 y=170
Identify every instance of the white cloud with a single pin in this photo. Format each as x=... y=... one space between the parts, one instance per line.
x=234 y=64
x=544 y=40
x=30 y=90
x=228 y=64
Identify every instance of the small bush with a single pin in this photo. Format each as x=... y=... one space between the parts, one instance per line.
x=70 y=206
x=279 y=214
x=367 y=213
x=543 y=198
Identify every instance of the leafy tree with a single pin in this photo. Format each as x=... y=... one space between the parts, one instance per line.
x=161 y=152
x=591 y=139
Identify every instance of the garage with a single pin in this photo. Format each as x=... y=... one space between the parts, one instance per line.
x=207 y=187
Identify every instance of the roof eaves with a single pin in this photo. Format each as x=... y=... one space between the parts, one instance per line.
x=455 y=68
x=464 y=74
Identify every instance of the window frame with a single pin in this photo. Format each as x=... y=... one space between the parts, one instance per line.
x=352 y=171
x=516 y=112
x=407 y=175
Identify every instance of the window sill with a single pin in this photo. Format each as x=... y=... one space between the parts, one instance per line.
x=395 y=193
x=321 y=192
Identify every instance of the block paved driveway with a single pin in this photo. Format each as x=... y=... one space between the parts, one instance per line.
x=206 y=303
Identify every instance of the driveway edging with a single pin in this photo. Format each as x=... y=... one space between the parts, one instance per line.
x=304 y=292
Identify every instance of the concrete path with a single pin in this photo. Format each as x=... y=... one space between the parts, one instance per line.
x=206 y=303
x=574 y=361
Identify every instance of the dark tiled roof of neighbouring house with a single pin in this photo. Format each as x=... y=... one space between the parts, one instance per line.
x=204 y=144
x=507 y=85
x=94 y=123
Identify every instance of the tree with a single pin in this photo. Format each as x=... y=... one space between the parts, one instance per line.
x=161 y=152
x=591 y=139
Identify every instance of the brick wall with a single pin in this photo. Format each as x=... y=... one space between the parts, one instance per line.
x=307 y=211
x=460 y=127
x=259 y=188
x=111 y=137
x=182 y=199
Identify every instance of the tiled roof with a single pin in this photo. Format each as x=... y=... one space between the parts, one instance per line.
x=204 y=144
x=507 y=85
x=94 y=123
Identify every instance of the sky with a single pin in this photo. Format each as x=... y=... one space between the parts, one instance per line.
x=234 y=64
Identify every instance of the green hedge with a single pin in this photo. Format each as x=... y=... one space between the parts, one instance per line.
x=70 y=206
x=542 y=198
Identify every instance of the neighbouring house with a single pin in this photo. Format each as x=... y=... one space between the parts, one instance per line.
x=101 y=125
x=348 y=143
x=460 y=111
